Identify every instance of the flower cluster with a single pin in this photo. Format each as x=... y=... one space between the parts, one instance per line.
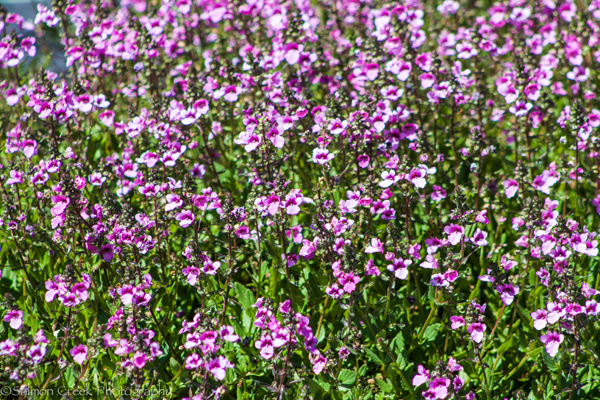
x=324 y=195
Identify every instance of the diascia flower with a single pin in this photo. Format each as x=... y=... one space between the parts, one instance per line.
x=15 y=317
x=476 y=330
x=552 y=340
x=79 y=353
x=185 y=218
x=322 y=156
x=455 y=233
x=511 y=186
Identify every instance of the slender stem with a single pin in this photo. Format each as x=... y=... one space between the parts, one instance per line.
x=486 y=384
x=62 y=349
x=285 y=366
x=229 y=271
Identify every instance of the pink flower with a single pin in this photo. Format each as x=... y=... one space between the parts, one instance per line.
x=36 y=353
x=457 y=322
x=265 y=345
x=421 y=377
x=107 y=117
x=218 y=367
x=15 y=317
x=126 y=292
x=337 y=126
x=185 y=218
x=417 y=177
x=587 y=291
x=545 y=181
x=455 y=233
x=96 y=179
x=349 y=282
x=552 y=341
x=479 y=237
x=438 y=280
x=321 y=156
x=308 y=249
x=448 y=7
x=173 y=202
x=193 y=361
x=139 y=360
x=319 y=363
x=427 y=80
x=228 y=334
x=229 y=93
x=15 y=177
x=481 y=217
x=363 y=161
x=375 y=247
x=390 y=178
x=400 y=268
x=438 y=193
x=79 y=353
x=250 y=140
x=430 y=263
x=292 y=52
x=371 y=269
x=507 y=293
x=476 y=330
x=8 y=347
x=439 y=386
x=371 y=71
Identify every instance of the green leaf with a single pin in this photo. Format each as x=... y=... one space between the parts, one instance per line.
x=362 y=370
x=373 y=356
x=384 y=386
x=347 y=379
x=244 y=295
x=549 y=361
x=505 y=346
x=431 y=332
x=398 y=341
x=174 y=365
x=70 y=377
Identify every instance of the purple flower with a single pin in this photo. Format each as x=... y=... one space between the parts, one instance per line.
x=479 y=237
x=15 y=317
x=363 y=161
x=552 y=340
x=218 y=367
x=79 y=353
x=457 y=322
x=322 y=156
x=439 y=386
x=107 y=252
x=455 y=233
x=476 y=330
x=375 y=247
x=507 y=293
x=185 y=218
x=15 y=177
x=421 y=377
x=265 y=345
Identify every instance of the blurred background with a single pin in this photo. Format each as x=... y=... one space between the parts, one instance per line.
x=50 y=52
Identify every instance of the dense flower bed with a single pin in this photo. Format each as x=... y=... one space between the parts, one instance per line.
x=289 y=199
